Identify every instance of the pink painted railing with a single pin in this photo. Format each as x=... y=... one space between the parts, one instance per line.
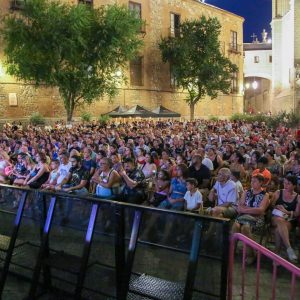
x=277 y=261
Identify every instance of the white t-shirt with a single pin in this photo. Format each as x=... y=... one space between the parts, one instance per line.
x=63 y=171
x=208 y=163
x=227 y=192
x=192 y=200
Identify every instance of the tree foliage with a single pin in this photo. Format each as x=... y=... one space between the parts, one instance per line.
x=73 y=47
x=196 y=60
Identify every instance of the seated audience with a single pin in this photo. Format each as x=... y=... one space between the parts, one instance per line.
x=285 y=213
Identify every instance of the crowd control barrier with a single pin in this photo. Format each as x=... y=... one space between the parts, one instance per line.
x=90 y=248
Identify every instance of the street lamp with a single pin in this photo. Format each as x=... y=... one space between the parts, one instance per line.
x=250 y=86
x=254 y=85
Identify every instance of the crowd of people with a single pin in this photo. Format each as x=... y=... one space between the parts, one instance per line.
x=238 y=170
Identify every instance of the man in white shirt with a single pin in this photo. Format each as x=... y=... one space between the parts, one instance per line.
x=224 y=194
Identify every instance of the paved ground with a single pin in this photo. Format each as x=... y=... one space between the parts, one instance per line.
x=161 y=263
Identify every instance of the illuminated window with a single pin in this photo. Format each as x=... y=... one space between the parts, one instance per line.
x=136 y=71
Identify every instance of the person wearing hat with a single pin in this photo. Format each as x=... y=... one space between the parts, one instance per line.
x=262 y=169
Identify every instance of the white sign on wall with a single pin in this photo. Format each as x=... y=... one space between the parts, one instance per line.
x=12 y=99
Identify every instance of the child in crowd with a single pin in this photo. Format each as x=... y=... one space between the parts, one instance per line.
x=193 y=197
x=52 y=180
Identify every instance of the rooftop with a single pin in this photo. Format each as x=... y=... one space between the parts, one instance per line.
x=257 y=46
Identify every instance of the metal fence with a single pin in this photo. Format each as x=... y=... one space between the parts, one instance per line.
x=280 y=268
x=88 y=248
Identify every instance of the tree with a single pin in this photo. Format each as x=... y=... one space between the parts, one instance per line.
x=196 y=60
x=75 y=48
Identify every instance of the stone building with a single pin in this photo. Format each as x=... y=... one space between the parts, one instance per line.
x=286 y=55
x=150 y=82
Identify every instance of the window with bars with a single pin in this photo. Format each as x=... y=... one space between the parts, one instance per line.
x=136 y=71
x=233 y=40
x=174 y=25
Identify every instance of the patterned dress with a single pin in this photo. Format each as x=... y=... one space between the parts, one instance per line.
x=253 y=200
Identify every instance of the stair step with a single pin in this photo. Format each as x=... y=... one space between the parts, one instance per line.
x=156 y=288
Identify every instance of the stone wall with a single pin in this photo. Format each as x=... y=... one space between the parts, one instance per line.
x=156 y=89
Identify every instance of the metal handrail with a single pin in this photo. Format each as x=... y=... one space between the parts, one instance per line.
x=277 y=261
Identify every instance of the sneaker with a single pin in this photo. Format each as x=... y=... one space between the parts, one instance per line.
x=291 y=254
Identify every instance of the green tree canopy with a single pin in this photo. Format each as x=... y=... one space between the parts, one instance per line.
x=73 y=47
x=196 y=60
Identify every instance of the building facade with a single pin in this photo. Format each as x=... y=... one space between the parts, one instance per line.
x=286 y=55
x=258 y=59
x=149 y=81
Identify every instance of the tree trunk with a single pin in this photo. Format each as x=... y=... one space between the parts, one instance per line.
x=192 y=111
x=69 y=106
x=69 y=115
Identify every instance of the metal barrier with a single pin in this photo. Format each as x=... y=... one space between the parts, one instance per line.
x=276 y=261
x=106 y=248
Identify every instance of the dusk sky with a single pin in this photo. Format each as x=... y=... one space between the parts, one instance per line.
x=257 y=14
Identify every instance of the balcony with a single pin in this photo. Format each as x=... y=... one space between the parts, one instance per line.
x=235 y=48
x=17 y=4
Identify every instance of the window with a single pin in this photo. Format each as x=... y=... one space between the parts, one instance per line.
x=174 y=25
x=256 y=59
x=234 y=82
x=270 y=58
x=136 y=71
x=88 y=2
x=136 y=7
x=17 y=4
x=173 y=80
x=233 y=40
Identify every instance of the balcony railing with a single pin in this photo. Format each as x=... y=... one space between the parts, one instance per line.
x=17 y=4
x=235 y=48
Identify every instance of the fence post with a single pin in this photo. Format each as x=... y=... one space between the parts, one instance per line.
x=12 y=241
